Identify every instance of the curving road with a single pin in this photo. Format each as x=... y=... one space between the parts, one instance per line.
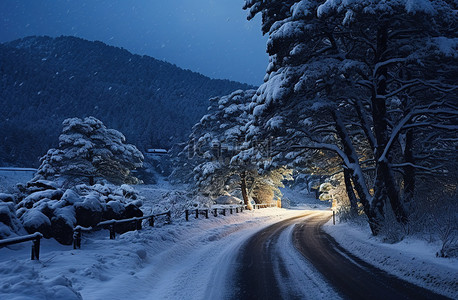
x=265 y=272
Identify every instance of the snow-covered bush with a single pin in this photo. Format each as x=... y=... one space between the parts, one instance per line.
x=6 y=197
x=175 y=201
x=228 y=199
x=88 y=152
x=10 y=225
x=55 y=212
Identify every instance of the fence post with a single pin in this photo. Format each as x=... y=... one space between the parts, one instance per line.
x=151 y=221
x=169 y=217
x=138 y=224
x=36 y=248
x=230 y=210
x=215 y=212
x=197 y=213
x=224 y=212
x=333 y=217
x=112 y=231
x=187 y=214
x=206 y=213
x=77 y=238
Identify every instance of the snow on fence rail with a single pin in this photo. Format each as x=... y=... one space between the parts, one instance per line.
x=222 y=210
x=264 y=205
x=205 y=211
x=111 y=226
x=25 y=238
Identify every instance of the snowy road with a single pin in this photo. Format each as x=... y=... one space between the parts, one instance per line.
x=252 y=255
x=269 y=269
x=352 y=277
x=289 y=257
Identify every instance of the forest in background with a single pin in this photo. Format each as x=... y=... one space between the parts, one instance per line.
x=45 y=80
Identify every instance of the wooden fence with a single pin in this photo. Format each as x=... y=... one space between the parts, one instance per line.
x=25 y=238
x=214 y=211
x=222 y=210
x=258 y=206
x=111 y=225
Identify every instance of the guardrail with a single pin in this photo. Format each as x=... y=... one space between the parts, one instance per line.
x=111 y=226
x=35 y=237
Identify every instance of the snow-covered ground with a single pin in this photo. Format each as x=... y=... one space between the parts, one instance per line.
x=184 y=260
x=192 y=260
x=9 y=177
x=411 y=259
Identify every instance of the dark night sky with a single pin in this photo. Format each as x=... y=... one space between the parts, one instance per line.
x=212 y=37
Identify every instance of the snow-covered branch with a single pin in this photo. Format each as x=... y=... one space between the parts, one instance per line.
x=402 y=123
x=385 y=63
x=324 y=146
x=430 y=169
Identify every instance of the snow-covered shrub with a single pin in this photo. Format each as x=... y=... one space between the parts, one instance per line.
x=285 y=202
x=34 y=220
x=55 y=212
x=32 y=199
x=6 y=197
x=345 y=214
x=89 y=211
x=10 y=225
x=391 y=231
x=62 y=224
x=228 y=199
x=107 y=202
x=444 y=222
x=177 y=202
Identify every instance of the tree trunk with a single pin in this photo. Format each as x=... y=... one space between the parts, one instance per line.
x=393 y=193
x=354 y=168
x=385 y=181
x=243 y=187
x=407 y=147
x=350 y=192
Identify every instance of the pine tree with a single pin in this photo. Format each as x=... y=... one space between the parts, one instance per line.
x=89 y=152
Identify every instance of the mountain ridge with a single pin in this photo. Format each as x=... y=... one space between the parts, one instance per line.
x=44 y=80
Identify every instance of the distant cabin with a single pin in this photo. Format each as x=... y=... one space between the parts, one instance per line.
x=155 y=153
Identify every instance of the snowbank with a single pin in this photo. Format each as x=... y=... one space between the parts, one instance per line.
x=411 y=259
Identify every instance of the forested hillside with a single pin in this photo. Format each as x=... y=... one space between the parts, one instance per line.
x=45 y=80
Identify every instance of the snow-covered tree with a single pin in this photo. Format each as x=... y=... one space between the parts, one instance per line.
x=89 y=152
x=336 y=69
x=215 y=141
